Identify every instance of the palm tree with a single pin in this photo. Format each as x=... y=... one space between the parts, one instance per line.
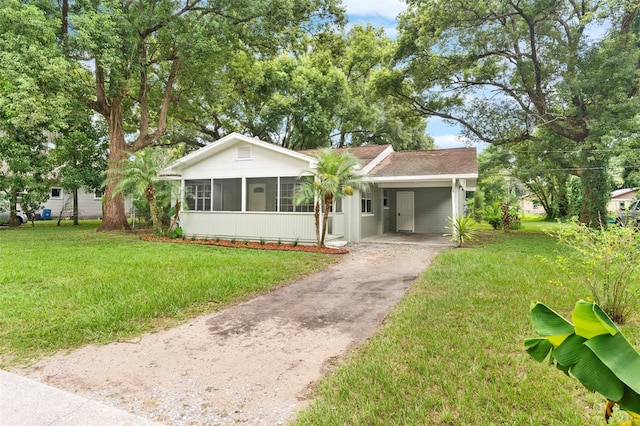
x=140 y=175
x=334 y=177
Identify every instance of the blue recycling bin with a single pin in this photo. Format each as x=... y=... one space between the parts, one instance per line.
x=46 y=214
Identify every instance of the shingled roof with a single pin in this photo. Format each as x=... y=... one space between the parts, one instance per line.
x=454 y=161
x=365 y=154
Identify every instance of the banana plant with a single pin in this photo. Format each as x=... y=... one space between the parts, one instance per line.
x=593 y=350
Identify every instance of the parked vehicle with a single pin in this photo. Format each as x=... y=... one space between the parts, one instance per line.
x=630 y=215
x=4 y=217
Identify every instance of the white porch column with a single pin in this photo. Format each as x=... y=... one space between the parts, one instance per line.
x=454 y=199
x=243 y=202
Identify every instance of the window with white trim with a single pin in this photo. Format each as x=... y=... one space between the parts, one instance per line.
x=198 y=194
x=56 y=194
x=288 y=188
x=367 y=201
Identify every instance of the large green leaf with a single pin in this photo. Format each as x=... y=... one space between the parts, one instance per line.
x=595 y=376
x=571 y=350
x=630 y=401
x=596 y=352
x=538 y=348
x=550 y=324
x=585 y=366
x=589 y=320
x=618 y=354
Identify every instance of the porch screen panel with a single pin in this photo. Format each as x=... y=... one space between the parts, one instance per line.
x=262 y=194
x=229 y=195
x=198 y=194
x=288 y=188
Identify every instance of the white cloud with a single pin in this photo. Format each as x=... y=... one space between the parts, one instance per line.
x=385 y=8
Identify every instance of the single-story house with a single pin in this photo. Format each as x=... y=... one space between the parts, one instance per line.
x=241 y=187
x=530 y=205
x=60 y=204
x=622 y=198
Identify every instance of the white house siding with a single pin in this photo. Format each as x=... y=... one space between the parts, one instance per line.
x=372 y=224
x=286 y=227
x=89 y=207
x=263 y=163
x=250 y=225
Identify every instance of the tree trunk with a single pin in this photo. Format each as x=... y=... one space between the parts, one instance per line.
x=153 y=207
x=13 y=207
x=316 y=215
x=328 y=200
x=595 y=188
x=75 y=206
x=114 y=217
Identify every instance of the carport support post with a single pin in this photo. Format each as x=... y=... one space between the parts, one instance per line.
x=454 y=199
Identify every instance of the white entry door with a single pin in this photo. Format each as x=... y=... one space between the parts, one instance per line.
x=405 y=212
x=257 y=197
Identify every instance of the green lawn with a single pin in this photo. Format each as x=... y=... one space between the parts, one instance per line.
x=452 y=351
x=63 y=287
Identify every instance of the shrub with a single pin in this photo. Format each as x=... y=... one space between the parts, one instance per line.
x=492 y=215
x=262 y=242
x=176 y=233
x=295 y=243
x=509 y=218
x=608 y=259
x=462 y=229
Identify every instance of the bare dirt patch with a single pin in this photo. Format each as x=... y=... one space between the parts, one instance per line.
x=254 y=363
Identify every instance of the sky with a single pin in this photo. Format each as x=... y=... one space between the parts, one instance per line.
x=383 y=13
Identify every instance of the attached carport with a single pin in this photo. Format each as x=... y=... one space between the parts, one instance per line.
x=420 y=190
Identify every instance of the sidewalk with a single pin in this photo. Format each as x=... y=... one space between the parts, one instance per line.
x=25 y=402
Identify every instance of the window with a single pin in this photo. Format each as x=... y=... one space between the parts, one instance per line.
x=56 y=193
x=338 y=203
x=367 y=201
x=536 y=204
x=97 y=195
x=198 y=194
x=288 y=188
x=385 y=198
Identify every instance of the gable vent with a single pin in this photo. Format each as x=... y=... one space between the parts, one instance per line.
x=244 y=152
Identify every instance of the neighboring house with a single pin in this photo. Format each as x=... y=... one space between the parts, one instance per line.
x=530 y=205
x=622 y=198
x=60 y=203
x=241 y=187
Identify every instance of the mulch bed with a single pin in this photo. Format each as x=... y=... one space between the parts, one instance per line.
x=255 y=245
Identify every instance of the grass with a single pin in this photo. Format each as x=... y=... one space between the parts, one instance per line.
x=63 y=287
x=452 y=351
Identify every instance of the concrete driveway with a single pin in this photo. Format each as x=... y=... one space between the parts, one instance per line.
x=254 y=363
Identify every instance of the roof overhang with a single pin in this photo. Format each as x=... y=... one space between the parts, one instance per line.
x=432 y=181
